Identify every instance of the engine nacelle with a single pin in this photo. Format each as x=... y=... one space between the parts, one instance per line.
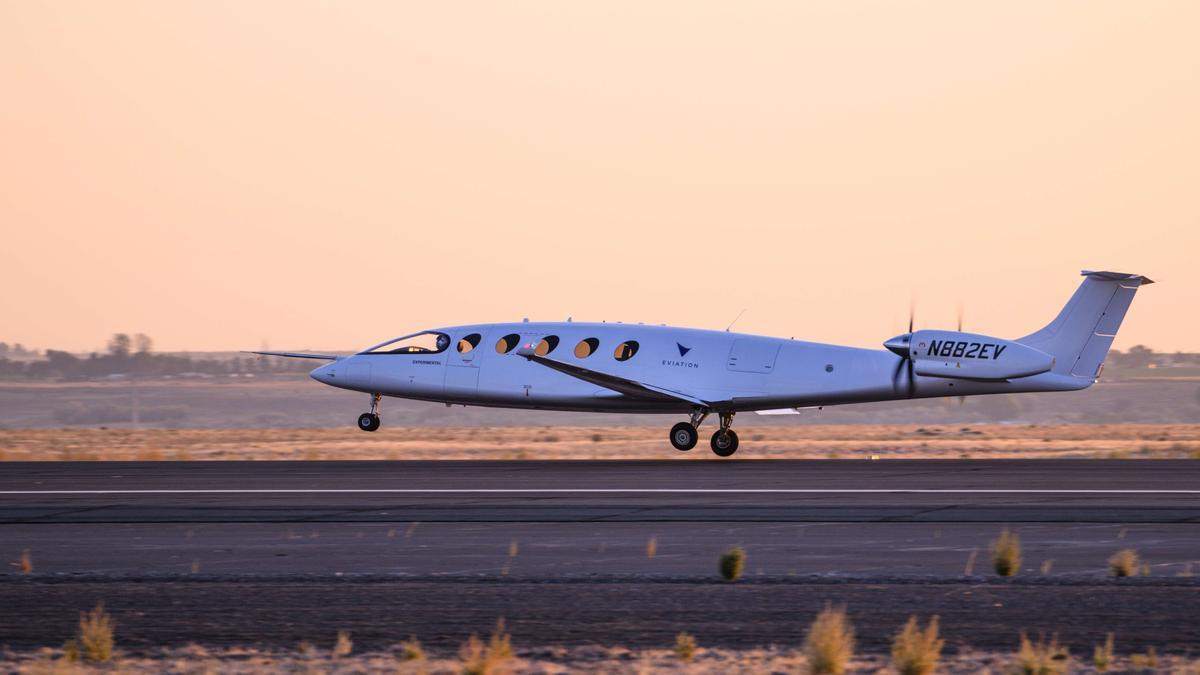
x=947 y=353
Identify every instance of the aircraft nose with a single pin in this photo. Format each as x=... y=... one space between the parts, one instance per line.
x=324 y=373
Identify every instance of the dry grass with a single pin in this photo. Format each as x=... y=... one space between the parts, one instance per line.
x=1041 y=658
x=1124 y=563
x=916 y=651
x=1006 y=553
x=491 y=659
x=1148 y=660
x=24 y=564
x=96 y=634
x=685 y=647
x=732 y=563
x=1102 y=655
x=411 y=650
x=991 y=441
x=652 y=547
x=342 y=646
x=829 y=644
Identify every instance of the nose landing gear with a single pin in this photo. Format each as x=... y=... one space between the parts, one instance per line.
x=369 y=421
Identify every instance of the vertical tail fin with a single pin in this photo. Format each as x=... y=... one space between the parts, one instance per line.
x=1079 y=337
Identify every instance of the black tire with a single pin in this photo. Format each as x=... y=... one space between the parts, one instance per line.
x=368 y=422
x=684 y=436
x=724 y=443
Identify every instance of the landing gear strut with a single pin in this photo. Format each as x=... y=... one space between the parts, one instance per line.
x=684 y=434
x=369 y=421
x=724 y=440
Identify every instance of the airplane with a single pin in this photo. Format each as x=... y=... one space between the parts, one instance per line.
x=637 y=368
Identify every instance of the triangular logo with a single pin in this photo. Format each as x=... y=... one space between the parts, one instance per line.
x=683 y=350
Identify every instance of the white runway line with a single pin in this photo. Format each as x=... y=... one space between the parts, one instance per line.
x=501 y=491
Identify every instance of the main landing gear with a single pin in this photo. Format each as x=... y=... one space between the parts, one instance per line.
x=369 y=421
x=724 y=441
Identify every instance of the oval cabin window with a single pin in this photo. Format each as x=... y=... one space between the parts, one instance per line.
x=586 y=348
x=625 y=350
x=547 y=345
x=469 y=342
x=507 y=343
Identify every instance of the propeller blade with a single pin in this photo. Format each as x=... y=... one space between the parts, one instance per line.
x=912 y=382
x=912 y=310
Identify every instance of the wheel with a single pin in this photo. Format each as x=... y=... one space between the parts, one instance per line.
x=724 y=443
x=368 y=422
x=684 y=436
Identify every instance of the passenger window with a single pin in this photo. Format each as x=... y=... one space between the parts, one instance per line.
x=507 y=343
x=547 y=345
x=469 y=342
x=625 y=350
x=586 y=348
x=422 y=343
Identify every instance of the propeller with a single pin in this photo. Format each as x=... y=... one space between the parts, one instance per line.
x=961 y=399
x=901 y=346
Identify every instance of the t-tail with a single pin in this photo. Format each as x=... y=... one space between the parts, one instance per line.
x=1080 y=336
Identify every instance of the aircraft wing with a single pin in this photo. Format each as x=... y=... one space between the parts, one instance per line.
x=620 y=384
x=298 y=355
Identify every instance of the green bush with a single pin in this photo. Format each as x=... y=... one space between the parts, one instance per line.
x=1006 y=554
x=732 y=563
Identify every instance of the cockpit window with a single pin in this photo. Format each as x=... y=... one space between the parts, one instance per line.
x=429 y=342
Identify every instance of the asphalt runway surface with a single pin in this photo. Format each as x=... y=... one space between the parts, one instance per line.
x=596 y=552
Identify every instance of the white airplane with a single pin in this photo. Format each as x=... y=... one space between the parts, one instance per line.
x=635 y=368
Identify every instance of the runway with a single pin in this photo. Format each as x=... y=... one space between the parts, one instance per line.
x=626 y=549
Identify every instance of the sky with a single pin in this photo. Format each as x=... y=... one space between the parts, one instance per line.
x=233 y=175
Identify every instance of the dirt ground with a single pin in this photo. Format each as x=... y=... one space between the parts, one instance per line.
x=990 y=441
x=581 y=661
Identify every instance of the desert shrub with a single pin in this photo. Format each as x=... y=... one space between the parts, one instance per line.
x=1042 y=658
x=25 y=563
x=1102 y=655
x=829 y=644
x=732 y=563
x=1124 y=563
x=96 y=634
x=685 y=646
x=1006 y=553
x=343 y=645
x=70 y=651
x=1144 y=661
x=916 y=651
x=410 y=650
x=652 y=547
x=480 y=659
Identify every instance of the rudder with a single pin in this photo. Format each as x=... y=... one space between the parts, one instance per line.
x=1080 y=336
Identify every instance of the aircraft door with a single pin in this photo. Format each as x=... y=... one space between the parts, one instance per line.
x=753 y=356
x=462 y=365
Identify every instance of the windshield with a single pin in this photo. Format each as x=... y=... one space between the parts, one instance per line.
x=429 y=342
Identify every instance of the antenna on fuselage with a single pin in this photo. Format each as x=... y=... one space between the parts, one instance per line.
x=735 y=320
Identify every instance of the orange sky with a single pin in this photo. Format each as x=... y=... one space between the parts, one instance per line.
x=224 y=175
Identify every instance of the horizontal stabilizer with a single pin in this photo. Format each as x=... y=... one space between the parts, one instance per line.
x=298 y=355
